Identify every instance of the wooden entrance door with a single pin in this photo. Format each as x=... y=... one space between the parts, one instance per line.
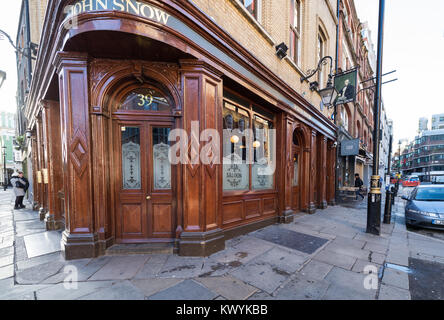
x=144 y=182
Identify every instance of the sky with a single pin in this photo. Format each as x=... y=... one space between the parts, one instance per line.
x=413 y=45
x=9 y=16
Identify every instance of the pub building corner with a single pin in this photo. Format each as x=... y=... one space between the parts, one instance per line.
x=103 y=100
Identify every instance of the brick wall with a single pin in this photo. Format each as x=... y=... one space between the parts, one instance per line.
x=261 y=37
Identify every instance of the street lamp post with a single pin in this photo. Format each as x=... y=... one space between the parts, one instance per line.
x=5 y=179
x=374 y=197
x=388 y=194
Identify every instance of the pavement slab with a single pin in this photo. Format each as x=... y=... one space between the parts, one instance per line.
x=152 y=266
x=74 y=291
x=303 y=288
x=185 y=290
x=336 y=259
x=393 y=293
x=43 y=243
x=6 y=272
x=285 y=260
x=154 y=285
x=228 y=287
x=344 y=283
x=261 y=275
x=361 y=265
x=181 y=267
x=316 y=270
x=396 y=278
x=120 y=268
x=6 y=260
x=122 y=290
x=379 y=248
x=37 y=274
x=21 y=292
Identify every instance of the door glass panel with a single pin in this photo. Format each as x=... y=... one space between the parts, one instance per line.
x=161 y=163
x=296 y=171
x=131 y=158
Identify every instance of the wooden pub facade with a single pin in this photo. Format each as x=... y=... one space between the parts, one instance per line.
x=113 y=79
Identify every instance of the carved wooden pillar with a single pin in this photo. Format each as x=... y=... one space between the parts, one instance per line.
x=323 y=173
x=35 y=168
x=41 y=166
x=286 y=181
x=202 y=185
x=79 y=239
x=51 y=115
x=331 y=164
x=312 y=174
x=101 y=164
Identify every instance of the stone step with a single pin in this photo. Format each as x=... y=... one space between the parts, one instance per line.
x=140 y=248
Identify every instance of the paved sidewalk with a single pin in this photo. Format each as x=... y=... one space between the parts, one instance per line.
x=326 y=255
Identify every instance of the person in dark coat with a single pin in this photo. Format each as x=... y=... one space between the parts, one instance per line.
x=358 y=184
x=20 y=185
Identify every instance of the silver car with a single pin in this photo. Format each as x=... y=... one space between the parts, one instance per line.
x=425 y=207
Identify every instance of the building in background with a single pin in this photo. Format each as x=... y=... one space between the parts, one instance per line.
x=30 y=26
x=425 y=155
x=438 y=121
x=355 y=120
x=423 y=124
x=384 y=145
x=7 y=133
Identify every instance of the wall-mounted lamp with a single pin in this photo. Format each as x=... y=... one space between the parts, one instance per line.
x=28 y=134
x=329 y=93
x=281 y=50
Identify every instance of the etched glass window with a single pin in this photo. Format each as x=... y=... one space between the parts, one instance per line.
x=296 y=170
x=146 y=99
x=161 y=163
x=131 y=178
x=236 y=172
x=263 y=146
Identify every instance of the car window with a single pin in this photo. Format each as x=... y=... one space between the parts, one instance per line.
x=429 y=194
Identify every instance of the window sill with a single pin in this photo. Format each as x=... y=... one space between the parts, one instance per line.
x=294 y=65
x=255 y=23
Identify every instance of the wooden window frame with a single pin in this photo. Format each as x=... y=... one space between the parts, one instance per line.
x=295 y=31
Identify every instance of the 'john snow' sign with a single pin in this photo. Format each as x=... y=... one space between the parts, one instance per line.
x=350 y=147
x=129 y=6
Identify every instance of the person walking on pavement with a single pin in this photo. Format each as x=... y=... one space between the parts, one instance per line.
x=20 y=185
x=358 y=184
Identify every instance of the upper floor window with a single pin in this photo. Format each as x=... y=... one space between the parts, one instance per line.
x=252 y=6
x=295 y=30
x=344 y=117
x=320 y=54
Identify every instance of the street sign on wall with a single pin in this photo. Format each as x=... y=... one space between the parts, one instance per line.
x=350 y=147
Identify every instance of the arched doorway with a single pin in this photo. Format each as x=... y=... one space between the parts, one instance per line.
x=296 y=181
x=144 y=179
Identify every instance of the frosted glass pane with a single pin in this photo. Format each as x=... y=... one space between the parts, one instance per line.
x=131 y=177
x=161 y=163
x=296 y=171
x=236 y=176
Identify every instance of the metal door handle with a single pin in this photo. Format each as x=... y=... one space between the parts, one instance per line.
x=148 y=197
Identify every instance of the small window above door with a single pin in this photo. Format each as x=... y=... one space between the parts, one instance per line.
x=146 y=99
